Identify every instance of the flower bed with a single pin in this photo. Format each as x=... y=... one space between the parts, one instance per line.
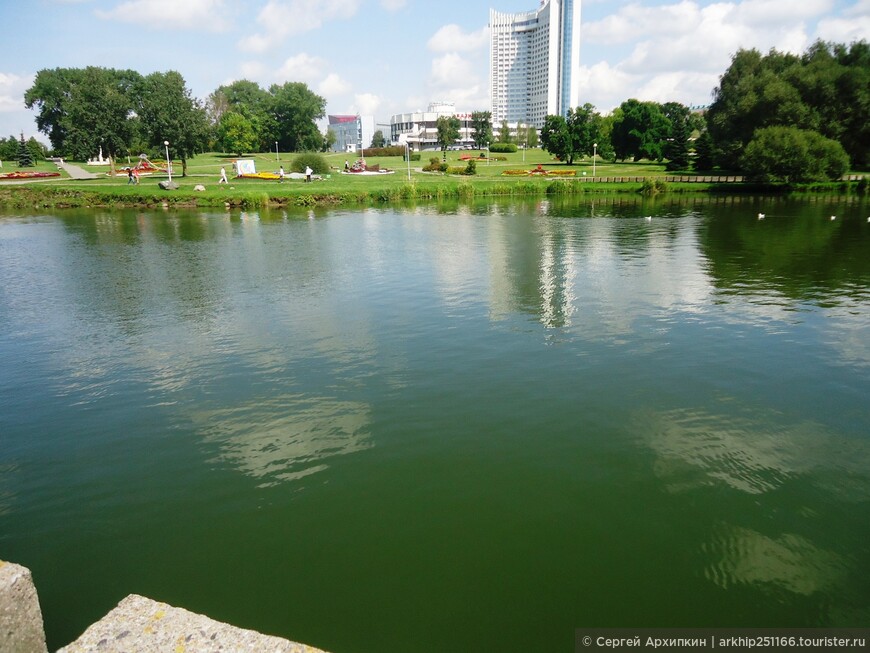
x=28 y=174
x=260 y=175
x=539 y=172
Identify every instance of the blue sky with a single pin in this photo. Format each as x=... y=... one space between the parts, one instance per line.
x=382 y=57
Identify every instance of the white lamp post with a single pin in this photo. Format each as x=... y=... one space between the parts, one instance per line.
x=168 y=162
x=594 y=153
x=408 y=150
x=276 y=150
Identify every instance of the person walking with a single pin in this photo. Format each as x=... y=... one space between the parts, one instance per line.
x=281 y=175
x=308 y=172
x=223 y=179
x=130 y=179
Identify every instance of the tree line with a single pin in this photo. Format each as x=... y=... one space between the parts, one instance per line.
x=125 y=113
x=774 y=117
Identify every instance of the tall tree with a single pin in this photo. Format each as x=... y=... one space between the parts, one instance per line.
x=574 y=135
x=447 y=132
x=504 y=133
x=25 y=158
x=705 y=152
x=677 y=147
x=556 y=139
x=640 y=131
x=235 y=133
x=378 y=139
x=168 y=112
x=83 y=109
x=293 y=111
x=481 y=128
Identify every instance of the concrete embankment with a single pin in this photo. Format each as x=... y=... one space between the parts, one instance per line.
x=136 y=624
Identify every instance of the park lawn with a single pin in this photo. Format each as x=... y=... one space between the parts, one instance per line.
x=39 y=166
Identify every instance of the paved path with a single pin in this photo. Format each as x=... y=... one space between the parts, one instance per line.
x=76 y=172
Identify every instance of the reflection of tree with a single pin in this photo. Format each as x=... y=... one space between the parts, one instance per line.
x=799 y=252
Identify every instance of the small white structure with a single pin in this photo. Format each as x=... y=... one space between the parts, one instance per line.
x=99 y=161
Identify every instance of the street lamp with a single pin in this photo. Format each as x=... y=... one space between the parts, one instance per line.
x=408 y=150
x=168 y=162
x=276 y=150
x=594 y=152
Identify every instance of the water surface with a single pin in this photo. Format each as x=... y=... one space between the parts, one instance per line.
x=445 y=427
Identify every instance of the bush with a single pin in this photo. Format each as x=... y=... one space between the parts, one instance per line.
x=311 y=159
x=503 y=148
x=792 y=155
x=392 y=150
x=435 y=165
x=415 y=156
x=653 y=186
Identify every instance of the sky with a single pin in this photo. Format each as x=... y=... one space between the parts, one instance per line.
x=383 y=57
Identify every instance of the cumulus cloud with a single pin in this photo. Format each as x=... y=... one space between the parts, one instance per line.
x=171 y=14
x=301 y=68
x=12 y=88
x=366 y=104
x=854 y=26
x=333 y=85
x=282 y=18
x=451 y=38
x=393 y=5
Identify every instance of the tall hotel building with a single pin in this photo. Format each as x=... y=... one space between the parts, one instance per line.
x=534 y=66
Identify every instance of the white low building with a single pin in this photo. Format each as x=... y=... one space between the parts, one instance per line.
x=420 y=128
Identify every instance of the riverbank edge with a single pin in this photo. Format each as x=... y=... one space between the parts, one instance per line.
x=137 y=623
x=42 y=196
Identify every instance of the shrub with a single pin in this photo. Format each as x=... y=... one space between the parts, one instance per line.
x=653 y=186
x=311 y=159
x=392 y=150
x=435 y=165
x=792 y=155
x=503 y=147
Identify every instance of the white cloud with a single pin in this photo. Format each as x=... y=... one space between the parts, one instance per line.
x=301 y=68
x=12 y=88
x=847 y=30
x=282 y=18
x=451 y=38
x=333 y=85
x=171 y=14
x=393 y=5
x=772 y=13
x=366 y=104
x=252 y=70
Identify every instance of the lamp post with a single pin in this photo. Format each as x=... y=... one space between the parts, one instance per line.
x=276 y=150
x=408 y=154
x=594 y=152
x=168 y=162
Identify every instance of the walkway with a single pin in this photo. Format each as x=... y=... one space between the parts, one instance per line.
x=76 y=172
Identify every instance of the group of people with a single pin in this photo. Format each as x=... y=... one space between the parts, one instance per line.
x=132 y=176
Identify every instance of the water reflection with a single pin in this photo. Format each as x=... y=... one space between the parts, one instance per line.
x=754 y=453
x=288 y=437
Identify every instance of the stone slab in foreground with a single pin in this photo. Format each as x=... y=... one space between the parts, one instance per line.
x=145 y=626
x=21 y=628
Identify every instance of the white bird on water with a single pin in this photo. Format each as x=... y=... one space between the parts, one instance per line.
x=649 y=218
x=833 y=217
x=761 y=216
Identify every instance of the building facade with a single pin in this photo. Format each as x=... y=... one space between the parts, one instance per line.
x=420 y=128
x=534 y=66
x=352 y=132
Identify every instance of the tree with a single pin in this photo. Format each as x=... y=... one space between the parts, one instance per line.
x=294 y=110
x=504 y=133
x=705 y=152
x=677 y=147
x=235 y=134
x=556 y=139
x=378 y=139
x=168 y=112
x=329 y=139
x=481 y=128
x=25 y=158
x=84 y=109
x=531 y=136
x=792 y=155
x=247 y=99
x=826 y=90
x=448 y=132
x=640 y=130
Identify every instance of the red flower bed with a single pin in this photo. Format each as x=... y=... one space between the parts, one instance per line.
x=28 y=174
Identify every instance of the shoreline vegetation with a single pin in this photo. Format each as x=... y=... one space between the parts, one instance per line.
x=494 y=178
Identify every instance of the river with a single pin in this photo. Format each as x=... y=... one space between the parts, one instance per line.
x=442 y=427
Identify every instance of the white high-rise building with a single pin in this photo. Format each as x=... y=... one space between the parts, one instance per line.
x=534 y=66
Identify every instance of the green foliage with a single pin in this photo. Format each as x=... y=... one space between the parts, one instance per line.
x=705 y=152
x=677 y=147
x=640 y=131
x=503 y=148
x=235 y=134
x=25 y=158
x=168 y=112
x=293 y=112
x=504 y=133
x=827 y=90
x=378 y=139
x=82 y=109
x=392 y=150
x=481 y=128
x=792 y=155
x=329 y=139
x=576 y=135
x=435 y=165
x=317 y=162
x=471 y=167
x=448 y=131
x=652 y=186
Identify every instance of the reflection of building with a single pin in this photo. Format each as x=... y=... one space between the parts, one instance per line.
x=534 y=68
x=352 y=132
x=420 y=129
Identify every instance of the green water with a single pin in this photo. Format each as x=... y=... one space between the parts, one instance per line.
x=446 y=427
